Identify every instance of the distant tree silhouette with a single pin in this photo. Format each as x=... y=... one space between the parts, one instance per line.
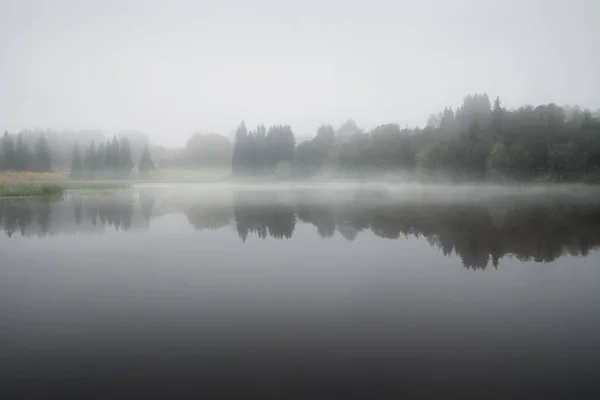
x=76 y=164
x=260 y=151
x=146 y=164
x=42 y=159
x=22 y=155
x=478 y=141
x=8 y=156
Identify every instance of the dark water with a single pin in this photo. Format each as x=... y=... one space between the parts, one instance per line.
x=305 y=293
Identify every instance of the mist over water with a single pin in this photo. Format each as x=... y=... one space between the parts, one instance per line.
x=301 y=290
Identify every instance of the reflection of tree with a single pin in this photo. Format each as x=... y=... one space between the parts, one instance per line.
x=43 y=212
x=208 y=216
x=147 y=203
x=78 y=205
x=18 y=214
x=480 y=233
x=44 y=216
x=275 y=218
x=318 y=211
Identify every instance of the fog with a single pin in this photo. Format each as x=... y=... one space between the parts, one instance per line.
x=170 y=68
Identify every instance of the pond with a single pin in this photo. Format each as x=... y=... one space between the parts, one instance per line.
x=301 y=291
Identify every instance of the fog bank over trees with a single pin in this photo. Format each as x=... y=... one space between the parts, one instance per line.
x=480 y=140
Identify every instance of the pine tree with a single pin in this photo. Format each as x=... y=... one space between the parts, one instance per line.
x=42 y=158
x=76 y=164
x=8 y=153
x=497 y=106
x=23 y=155
x=112 y=156
x=146 y=163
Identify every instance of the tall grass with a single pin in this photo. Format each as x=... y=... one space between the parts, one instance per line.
x=48 y=184
x=18 y=189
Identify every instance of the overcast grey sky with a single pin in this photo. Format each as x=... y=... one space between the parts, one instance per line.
x=173 y=67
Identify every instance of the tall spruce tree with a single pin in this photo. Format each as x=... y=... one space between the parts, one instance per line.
x=8 y=153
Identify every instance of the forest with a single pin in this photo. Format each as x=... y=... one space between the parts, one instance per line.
x=19 y=157
x=477 y=141
x=112 y=159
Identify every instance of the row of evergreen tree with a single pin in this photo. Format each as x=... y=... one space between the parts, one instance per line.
x=112 y=159
x=262 y=150
x=18 y=157
x=478 y=140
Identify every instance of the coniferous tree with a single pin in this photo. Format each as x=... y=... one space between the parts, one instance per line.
x=23 y=155
x=76 y=164
x=146 y=164
x=8 y=153
x=42 y=158
x=112 y=157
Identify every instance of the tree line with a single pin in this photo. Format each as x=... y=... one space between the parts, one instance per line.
x=478 y=140
x=19 y=157
x=262 y=150
x=111 y=159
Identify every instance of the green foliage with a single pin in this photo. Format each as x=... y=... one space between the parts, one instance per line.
x=20 y=159
x=23 y=158
x=260 y=151
x=30 y=190
x=111 y=160
x=478 y=141
x=8 y=156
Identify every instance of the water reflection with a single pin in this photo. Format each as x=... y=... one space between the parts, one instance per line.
x=481 y=233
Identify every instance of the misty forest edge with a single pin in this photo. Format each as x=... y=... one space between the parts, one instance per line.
x=478 y=141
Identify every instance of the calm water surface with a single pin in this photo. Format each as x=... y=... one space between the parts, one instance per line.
x=303 y=292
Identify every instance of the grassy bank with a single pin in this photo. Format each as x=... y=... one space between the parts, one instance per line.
x=48 y=184
x=25 y=189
